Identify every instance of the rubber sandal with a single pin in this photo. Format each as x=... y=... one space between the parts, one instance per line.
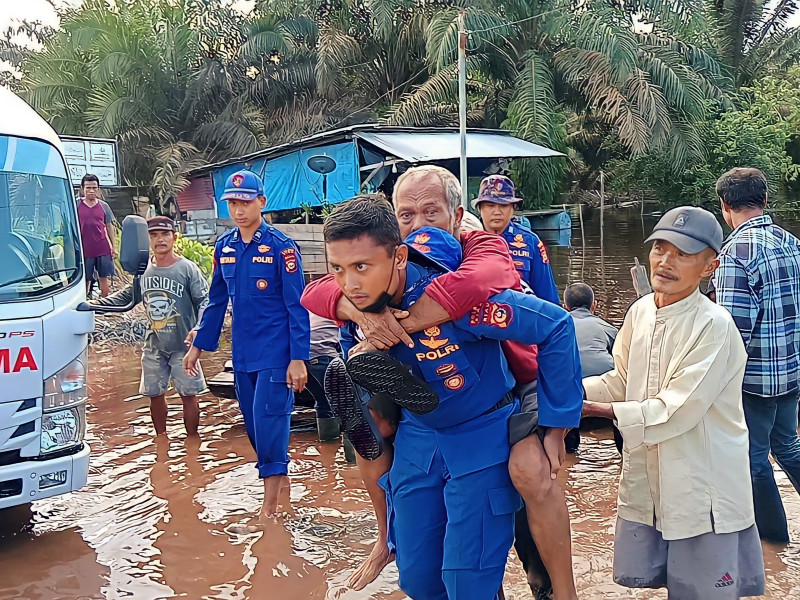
x=380 y=373
x=352 y=412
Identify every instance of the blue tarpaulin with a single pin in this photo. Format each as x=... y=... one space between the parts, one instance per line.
x=289 y=183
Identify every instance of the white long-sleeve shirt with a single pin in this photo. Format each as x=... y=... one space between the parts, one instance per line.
x=677 y=393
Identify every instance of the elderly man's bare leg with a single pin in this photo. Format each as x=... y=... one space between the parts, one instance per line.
x=379 y=557
x=547 y=513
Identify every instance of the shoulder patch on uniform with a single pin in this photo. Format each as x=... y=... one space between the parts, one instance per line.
x=289 y=259
x=494 y=314
x=543 y=252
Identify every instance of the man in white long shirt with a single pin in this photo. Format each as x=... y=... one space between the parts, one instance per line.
x=685 y=510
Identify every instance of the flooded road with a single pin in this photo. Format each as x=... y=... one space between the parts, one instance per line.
x=151 y=523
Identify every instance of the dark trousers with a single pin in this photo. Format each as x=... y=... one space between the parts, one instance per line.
x=772 y=423
x=316 y=377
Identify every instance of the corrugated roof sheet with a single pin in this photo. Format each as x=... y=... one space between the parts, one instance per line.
x=198 y=195
x=427 y=146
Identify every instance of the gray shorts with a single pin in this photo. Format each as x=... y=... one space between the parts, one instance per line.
x=526 y=421
x=159 y=367
x=104 y=265
x=711 y=566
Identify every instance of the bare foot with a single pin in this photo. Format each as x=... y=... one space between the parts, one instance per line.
x=255 y=525
x=273 y=486
x=372 y=567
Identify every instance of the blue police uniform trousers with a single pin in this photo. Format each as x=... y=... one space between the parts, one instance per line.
x=266 y=403
x=451 y=507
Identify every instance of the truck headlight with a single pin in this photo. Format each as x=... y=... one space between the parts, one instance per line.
x=63 y=428
x=67 y=387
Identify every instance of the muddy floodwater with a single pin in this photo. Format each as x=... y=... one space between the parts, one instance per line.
x=152 y=521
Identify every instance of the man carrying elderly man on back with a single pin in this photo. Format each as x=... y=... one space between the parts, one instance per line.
x=429 y=196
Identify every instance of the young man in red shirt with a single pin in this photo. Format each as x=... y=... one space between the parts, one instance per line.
x=430 y=196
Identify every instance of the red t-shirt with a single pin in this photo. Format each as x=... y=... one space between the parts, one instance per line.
x=487 y=269
x=94 y=236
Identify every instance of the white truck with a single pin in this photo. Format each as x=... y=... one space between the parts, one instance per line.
x=44 y=320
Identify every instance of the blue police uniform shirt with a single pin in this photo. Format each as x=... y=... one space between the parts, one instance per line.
x=531 y=260
x=465 y=365
x=264 y=281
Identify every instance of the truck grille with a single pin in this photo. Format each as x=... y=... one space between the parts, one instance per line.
x=26 y=404
x=9 y=457
x=23 y=429
x=11 y=487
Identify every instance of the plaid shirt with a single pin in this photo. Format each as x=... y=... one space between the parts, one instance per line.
x=758 y=281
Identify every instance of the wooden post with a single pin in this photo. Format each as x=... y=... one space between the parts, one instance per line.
x=602 y=206
x=583 y=239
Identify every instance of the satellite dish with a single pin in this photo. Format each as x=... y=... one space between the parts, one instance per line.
x=321 y=164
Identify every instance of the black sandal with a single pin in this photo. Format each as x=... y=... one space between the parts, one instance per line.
x=352 y=412
x=380 y=373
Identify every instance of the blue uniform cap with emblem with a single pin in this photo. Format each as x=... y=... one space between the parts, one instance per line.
x=434 y=247
x=689 y=228
x=243 y=185
x=498 y=189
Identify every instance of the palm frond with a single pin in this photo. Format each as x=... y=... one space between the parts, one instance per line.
x=596 y=32
x=335 y=50
x=174 y=161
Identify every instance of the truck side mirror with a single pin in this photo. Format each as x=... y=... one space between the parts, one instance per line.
x=134 y=255
x=134 y=248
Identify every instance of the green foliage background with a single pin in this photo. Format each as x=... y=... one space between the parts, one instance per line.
x=199 y=253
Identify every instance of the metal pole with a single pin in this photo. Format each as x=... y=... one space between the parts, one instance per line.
x=462 y=103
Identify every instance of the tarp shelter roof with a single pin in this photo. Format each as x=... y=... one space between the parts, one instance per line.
x=424 y=146
x=412 y=144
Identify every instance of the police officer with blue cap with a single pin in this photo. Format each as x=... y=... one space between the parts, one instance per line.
x=257 y=268
x=450 y=500
x=495 y=202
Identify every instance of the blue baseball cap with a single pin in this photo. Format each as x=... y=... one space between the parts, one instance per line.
x=243 y=185
x=434 y=247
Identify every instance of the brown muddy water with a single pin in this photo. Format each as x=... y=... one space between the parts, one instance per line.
x=151 y=523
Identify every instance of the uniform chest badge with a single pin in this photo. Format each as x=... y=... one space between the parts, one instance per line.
x=446 y=369
x=262 y=284
x=264 y=248
x=519 y=241
x=432 y=341
x=456 y=382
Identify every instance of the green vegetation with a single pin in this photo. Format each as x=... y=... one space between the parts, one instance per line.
x=660 y=95
x=197 y=252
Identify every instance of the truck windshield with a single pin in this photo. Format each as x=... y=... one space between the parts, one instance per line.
x=39 y=244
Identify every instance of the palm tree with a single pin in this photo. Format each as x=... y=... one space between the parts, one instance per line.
x=753 y=38
x=162 y=78
x=540 y=61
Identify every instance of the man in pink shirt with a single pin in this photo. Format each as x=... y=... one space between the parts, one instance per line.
x=97 y=234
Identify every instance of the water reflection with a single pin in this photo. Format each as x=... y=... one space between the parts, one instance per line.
x=153 y=521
